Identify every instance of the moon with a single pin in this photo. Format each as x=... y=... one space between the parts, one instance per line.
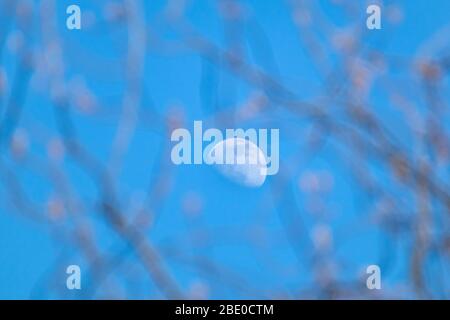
x=249 y=165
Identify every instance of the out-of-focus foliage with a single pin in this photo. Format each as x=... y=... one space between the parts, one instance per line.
x=85 y=171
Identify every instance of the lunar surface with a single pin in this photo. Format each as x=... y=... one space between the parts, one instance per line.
x=249 y=167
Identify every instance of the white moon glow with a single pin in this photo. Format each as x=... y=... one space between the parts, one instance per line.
x=248 y=166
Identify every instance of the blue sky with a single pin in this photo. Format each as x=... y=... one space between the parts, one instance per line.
x=244 y=231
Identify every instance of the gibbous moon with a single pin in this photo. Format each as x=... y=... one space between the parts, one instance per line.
x=249 y=164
